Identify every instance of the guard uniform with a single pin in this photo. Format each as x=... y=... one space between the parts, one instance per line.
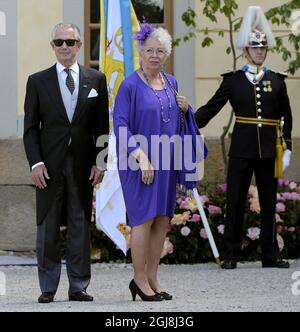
x=259 y=101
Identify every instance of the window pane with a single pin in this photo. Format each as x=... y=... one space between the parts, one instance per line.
x=95 y=11
x=95 y=44
x=151 y=10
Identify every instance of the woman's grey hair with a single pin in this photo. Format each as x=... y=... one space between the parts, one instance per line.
x=163 y=36
x=66 y=26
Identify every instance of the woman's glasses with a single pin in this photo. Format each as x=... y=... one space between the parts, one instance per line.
x=69 y=42
x=151 y=51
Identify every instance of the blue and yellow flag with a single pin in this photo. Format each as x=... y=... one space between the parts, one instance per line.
x=118 y=53
x=118 y=59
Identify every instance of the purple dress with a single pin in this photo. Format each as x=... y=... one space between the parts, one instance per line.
x=138 y=109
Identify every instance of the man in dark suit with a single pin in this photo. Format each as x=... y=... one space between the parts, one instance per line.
x=259 y=100
x=66 y=110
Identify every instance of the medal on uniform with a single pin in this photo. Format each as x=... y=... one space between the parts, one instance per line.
x=270 y=86
x=267 y=86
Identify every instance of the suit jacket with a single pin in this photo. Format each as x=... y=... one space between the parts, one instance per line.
x=47 y=131
x=247 y=100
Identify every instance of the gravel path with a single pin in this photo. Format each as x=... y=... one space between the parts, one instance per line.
x=196 y=288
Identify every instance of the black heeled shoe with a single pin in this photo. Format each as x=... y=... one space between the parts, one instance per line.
x=166 y=296
x=134 y=289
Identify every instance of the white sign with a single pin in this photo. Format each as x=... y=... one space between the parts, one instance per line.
x=2 y=284
x=2 y=24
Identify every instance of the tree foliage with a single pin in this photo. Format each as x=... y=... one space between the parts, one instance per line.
x=286 y=45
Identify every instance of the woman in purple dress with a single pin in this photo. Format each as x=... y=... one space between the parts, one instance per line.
x=147 y=105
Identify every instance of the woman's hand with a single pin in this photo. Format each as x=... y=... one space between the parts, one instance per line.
x=145 y=166
x=182 y=103
x=147 y=170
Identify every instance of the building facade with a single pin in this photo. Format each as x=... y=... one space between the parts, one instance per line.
x=25 y=27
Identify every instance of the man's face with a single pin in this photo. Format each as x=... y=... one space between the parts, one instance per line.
x=257 y=55
x=65 y=54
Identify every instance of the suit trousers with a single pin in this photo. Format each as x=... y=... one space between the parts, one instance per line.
x=68 y=203
x=240 y=172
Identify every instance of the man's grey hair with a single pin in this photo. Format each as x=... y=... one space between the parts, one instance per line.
x=163 y=36
x=66 y=26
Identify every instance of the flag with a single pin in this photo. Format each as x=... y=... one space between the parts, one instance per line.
x=118 y=59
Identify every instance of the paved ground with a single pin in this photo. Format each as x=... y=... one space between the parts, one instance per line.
x=196 y=288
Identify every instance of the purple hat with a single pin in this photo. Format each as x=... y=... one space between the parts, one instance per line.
x=145 y=31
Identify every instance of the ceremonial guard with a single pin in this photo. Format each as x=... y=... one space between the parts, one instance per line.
x=262 y=130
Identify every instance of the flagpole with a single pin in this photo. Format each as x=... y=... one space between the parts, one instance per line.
x=206 y=226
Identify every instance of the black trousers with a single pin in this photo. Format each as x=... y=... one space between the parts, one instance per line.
x=78 y=237
x=240 y=172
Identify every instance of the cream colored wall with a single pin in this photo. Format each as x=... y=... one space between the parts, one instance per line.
x=212 y=61
x=36 y=18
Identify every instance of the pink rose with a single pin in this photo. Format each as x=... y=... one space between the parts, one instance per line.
x=204 y=199
x=293 y=185
x=212 y=209
x=223 y=187
x=291 y=229
x=283 y=182
x=195 y=217
x=62 y=228
x=221 y=229
x=185 y=231
x=203 y=233
x=280 y=207
x=253 y=233
x=278 y=218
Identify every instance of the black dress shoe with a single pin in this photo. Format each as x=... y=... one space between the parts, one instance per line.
x=279 y=264
x=228 y=265
x=46 y=297
x=166 y=296
x=134 y=289
x=82 y=296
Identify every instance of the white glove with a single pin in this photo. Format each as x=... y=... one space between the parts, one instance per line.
x=286 y=159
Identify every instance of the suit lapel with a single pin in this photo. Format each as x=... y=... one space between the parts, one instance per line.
x=83 y=92
x=52 y=85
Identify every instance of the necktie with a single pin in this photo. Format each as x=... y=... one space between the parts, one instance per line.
x=69 y=80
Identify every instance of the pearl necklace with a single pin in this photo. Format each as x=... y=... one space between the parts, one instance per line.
x=159 y=98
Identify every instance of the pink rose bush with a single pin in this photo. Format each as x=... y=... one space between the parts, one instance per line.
x=187 y=240
x=189 y=237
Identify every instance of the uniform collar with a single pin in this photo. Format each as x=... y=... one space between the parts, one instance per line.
x=254 y=69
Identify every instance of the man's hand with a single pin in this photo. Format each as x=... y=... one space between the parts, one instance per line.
x=39 y=176
x=96 y=175
x=286 y=159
